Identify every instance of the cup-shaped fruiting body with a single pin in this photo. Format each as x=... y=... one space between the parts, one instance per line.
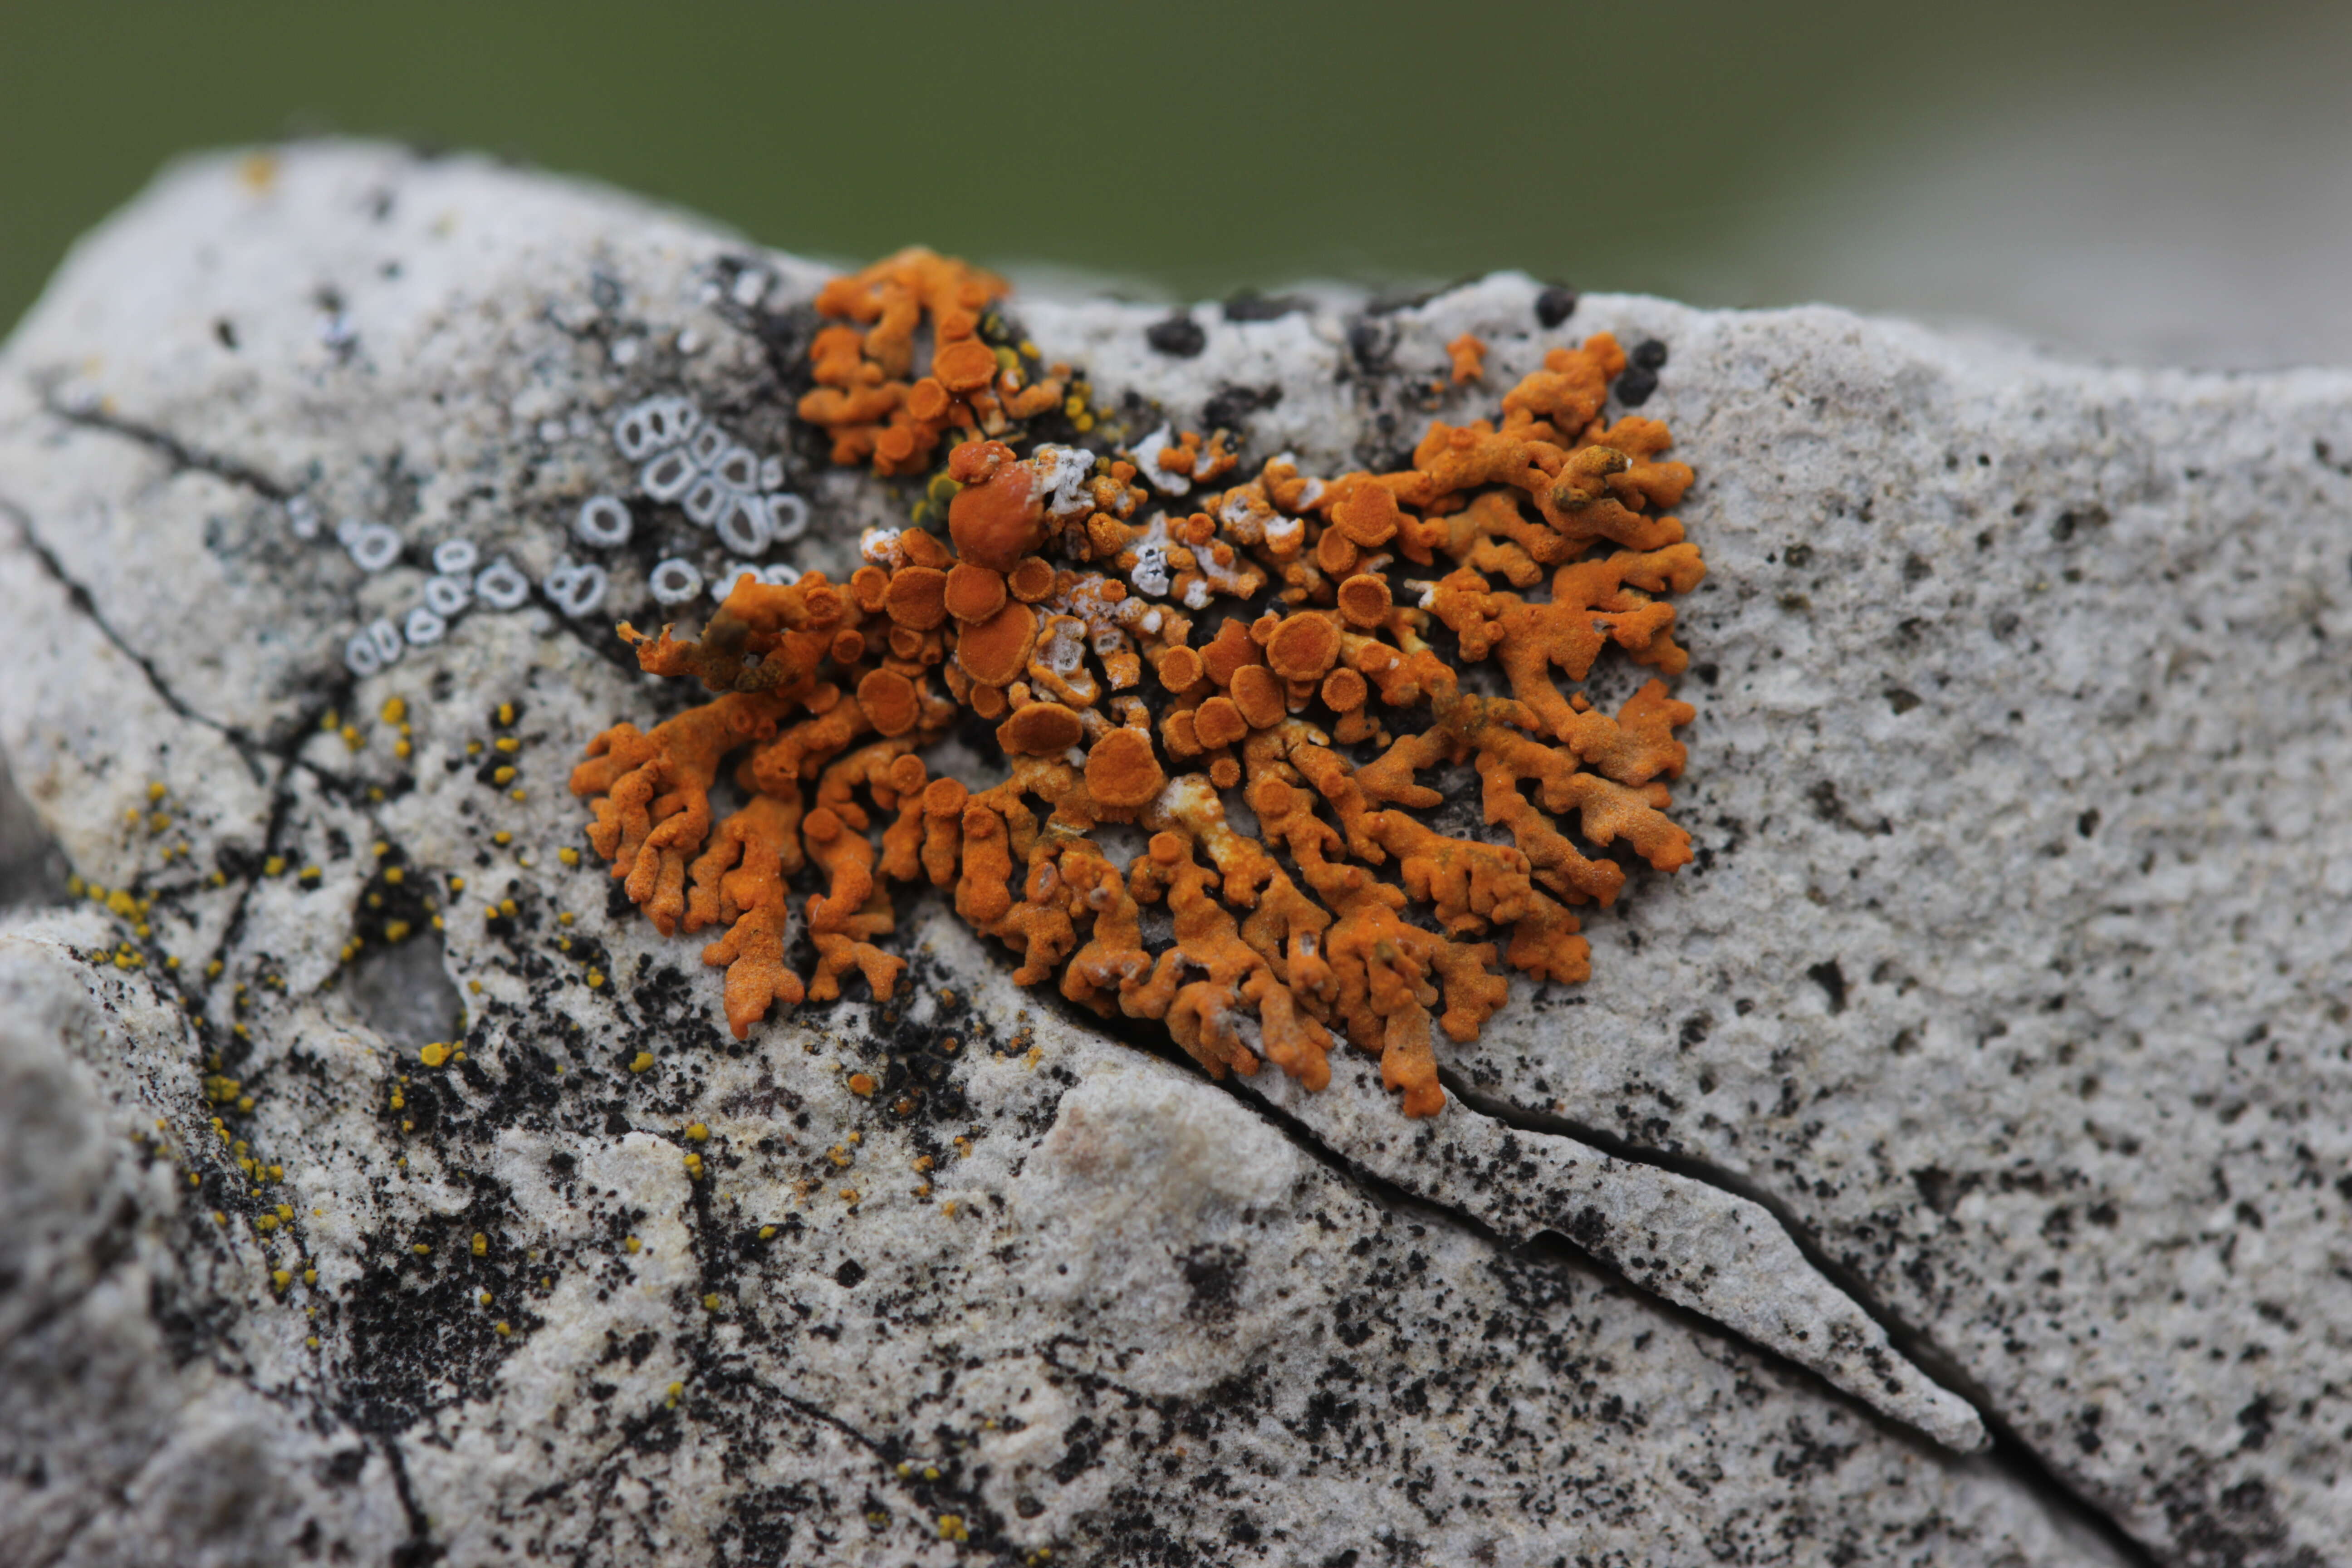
x=1281 y=641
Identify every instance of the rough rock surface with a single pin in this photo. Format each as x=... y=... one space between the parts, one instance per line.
x=2010 y=979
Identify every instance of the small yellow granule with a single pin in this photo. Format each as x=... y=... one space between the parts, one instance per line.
x=698 y=1131
x=481 y=1245
x=507 y=744
x=505 y=1328
x=568 y=854
x=643 y=1060
x=422 y=1249
x=504 y=773
x=433 y=1054
x=632 y=1245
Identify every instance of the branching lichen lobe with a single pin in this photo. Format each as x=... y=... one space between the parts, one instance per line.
x=1057 y=609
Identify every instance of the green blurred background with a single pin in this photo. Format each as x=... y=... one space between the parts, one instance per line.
x=2130 y=179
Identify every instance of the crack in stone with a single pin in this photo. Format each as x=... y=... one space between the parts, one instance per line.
x=182 y=457
x=2025 y=1464
x=79 y=596
x=419 y=1549
x=1859 y=1371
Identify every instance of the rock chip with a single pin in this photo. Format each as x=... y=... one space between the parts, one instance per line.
x=1988 y=1069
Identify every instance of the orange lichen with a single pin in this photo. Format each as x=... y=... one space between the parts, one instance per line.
x=1329 y=710
x=1469 y=357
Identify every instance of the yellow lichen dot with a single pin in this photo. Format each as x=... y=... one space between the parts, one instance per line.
x=504 y=1328
x=631 y=1245
x=694 y=1167
x=698 y=1131
x=861 y=1085
x=710 y=1302
x=568 y=854
x=641 y=1061
x=422 y=1249
x=433 y=1054
x=394 y=710
x=502 y=837
x=281 y=1279
x=481 y=1244
x=767 y=1233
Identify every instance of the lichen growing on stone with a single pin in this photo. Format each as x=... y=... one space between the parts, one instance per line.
x=1279 y=760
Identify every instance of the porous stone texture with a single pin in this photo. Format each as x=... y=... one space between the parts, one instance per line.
x=2009 y=981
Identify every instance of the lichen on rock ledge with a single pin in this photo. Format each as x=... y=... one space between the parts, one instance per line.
x=1054 y=593
x=393 y=1186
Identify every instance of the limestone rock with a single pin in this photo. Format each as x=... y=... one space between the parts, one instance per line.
x=2006 y=982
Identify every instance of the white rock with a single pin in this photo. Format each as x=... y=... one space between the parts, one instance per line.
x=1163 y=1319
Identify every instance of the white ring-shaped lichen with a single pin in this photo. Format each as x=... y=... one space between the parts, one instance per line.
x=706 y=500
x=788 y=517
x=776 y=574
x=424 y=629
x=302 y=517
x=771 y=473
x=603 y=522
x=360 y=655
x=373 y=547
x=674 y=581
x=448 y=596
x=737 y=469
x=705 y=446
x=455 y=558
x=576 y=589
x=669 y=476
x=501 y=586
x=374 y=646
x=744 y=527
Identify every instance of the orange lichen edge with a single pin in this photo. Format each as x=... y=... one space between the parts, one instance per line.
x=1332 y=907
x=868 y=395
